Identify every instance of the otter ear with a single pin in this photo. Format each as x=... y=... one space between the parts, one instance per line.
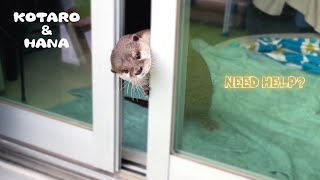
x=135 y=37
x=113 y=71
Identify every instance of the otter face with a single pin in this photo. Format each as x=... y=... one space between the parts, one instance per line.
x=131 y=58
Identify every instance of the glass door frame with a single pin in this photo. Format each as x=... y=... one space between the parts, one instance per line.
x=162 y=161
x=97 y=147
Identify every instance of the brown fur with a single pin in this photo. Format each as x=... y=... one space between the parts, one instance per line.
x=131 y=59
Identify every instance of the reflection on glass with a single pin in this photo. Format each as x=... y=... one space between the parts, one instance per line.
x=56 y=81
x=135 y=115
x=251 y=76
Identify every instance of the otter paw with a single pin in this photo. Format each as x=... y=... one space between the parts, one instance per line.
x=146 y=90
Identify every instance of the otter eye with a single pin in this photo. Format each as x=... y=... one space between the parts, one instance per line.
x=138 y=55
x=125 y=71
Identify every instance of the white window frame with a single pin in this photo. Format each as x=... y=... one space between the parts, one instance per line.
x=97 y=147
x=162 y=162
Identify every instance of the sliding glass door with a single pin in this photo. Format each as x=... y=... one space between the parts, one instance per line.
x=61 y=100
x=234 y=95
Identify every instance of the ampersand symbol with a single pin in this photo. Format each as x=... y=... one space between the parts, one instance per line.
x=46 y=30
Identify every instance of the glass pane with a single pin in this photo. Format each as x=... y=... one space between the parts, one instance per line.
x=248 y=86
x=135 y=115
x=54 y=80
x=135 y=103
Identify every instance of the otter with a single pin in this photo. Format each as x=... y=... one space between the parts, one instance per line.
x=131 y=59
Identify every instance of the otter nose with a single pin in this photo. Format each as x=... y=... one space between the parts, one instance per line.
x=139 y=71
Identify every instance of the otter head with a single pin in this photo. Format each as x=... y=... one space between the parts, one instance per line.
x=131 y=58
